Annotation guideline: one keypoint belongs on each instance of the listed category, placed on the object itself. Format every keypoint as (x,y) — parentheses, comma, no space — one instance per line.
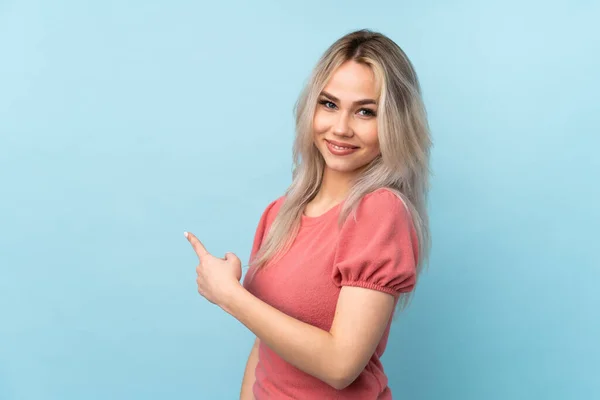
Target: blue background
(122,125)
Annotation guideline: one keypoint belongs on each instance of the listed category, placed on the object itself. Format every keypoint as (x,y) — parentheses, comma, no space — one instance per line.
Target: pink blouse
(377,251)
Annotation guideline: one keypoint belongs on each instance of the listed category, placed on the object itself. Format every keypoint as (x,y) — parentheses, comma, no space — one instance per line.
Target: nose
(342,125)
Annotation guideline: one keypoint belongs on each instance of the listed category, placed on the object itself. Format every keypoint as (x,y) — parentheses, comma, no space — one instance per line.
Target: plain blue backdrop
(123,124)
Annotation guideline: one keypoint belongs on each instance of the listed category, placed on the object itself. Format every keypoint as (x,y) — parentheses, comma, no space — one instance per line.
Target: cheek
(370,138)
(320,123)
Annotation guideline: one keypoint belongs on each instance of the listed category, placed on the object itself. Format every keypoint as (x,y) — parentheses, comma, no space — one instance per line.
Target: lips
(340,151)
(342,144)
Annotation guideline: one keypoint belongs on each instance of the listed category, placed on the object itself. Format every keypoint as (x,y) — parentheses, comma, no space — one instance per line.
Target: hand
(216,276)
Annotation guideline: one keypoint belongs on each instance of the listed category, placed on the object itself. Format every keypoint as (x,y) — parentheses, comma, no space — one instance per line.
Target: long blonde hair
(404,138)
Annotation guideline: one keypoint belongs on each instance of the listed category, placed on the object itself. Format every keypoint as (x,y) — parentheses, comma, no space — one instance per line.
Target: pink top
(378,251)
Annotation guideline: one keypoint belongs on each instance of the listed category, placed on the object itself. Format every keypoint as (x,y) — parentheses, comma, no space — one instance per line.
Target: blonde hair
(403,132)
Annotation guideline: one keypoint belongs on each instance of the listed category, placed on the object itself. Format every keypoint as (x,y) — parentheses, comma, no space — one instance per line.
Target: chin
(343,168)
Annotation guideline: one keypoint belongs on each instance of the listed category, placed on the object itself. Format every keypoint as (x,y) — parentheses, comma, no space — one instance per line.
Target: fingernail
(185,234)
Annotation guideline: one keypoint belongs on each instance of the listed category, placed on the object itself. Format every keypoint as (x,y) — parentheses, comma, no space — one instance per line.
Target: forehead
(352,81)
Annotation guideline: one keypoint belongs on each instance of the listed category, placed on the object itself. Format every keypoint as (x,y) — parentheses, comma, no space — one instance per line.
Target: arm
(249,378)
(336,357)
(375,250)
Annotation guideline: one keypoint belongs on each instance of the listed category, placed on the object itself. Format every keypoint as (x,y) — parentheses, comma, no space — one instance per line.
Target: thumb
(230,256)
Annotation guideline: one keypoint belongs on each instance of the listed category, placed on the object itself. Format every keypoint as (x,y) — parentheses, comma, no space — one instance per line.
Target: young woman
(342,249)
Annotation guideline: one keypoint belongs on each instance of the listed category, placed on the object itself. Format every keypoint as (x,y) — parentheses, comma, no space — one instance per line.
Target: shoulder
(383,196)
(271,210)
(381,204)
(377,247)
(264,223)
(273,207)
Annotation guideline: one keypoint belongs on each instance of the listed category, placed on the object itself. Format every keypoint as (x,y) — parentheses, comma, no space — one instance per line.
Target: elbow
(344,368)
(342,379)
(340,384)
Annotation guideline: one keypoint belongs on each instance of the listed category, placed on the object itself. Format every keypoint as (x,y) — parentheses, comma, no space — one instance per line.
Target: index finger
(198,247)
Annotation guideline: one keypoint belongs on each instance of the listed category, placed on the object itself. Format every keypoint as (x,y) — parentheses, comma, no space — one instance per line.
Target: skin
(339,355)
(246,392)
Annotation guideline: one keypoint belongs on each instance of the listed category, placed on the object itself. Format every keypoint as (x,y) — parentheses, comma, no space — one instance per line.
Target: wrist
(230,297)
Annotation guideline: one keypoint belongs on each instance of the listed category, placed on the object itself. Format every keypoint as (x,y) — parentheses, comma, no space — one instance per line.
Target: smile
(339,150)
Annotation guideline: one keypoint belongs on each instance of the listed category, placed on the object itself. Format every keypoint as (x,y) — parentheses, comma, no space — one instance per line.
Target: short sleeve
(377,249)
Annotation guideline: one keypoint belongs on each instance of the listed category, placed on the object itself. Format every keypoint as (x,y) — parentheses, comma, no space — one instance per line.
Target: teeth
(341,148)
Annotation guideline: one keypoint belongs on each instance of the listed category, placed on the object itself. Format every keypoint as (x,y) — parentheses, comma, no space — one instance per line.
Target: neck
(334,187)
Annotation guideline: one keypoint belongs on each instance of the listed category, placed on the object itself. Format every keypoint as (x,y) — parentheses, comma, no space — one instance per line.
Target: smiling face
(345,120)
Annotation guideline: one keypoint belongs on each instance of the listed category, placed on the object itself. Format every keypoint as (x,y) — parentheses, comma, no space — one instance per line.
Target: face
(345,121)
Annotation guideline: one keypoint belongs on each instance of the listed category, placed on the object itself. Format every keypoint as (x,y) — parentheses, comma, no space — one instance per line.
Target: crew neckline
(306,220)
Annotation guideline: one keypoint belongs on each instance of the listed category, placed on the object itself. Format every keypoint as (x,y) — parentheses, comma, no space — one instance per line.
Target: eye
(327,104)
(368,112)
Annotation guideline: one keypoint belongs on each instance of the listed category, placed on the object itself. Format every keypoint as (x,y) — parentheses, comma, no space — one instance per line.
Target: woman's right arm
(249,378)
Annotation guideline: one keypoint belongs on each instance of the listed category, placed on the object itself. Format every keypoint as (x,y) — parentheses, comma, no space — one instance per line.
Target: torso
(300,285)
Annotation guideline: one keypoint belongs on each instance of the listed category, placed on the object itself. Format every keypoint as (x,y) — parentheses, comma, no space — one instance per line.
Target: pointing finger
(198,247)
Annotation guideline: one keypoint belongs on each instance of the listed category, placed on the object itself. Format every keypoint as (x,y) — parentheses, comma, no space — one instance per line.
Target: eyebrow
(358,102)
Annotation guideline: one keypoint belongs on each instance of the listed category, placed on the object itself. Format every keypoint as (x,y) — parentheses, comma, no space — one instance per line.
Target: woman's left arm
(336,357)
